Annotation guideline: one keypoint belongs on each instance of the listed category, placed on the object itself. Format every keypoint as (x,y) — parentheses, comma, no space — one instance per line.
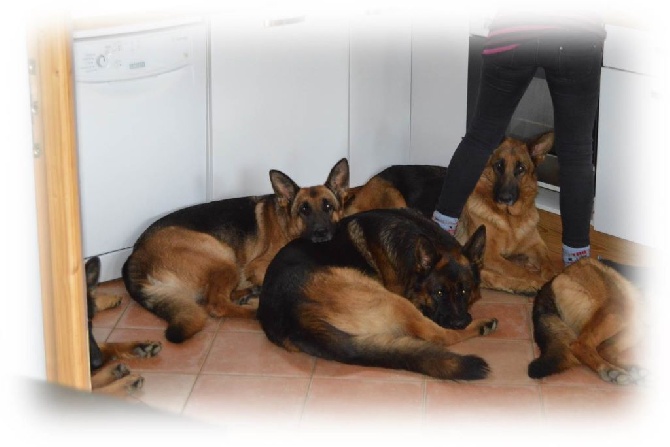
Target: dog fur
(107,376)
(589,314)
(379,293)
(517,259)
(399,186)
(503,200)
(217,253)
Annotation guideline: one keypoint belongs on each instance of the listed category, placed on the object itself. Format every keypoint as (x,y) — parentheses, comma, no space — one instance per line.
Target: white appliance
(141,108)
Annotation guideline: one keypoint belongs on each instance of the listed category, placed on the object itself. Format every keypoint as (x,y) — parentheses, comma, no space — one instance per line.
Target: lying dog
(516,259)
(108,377)
(379,293)
(217,252)
(503,200)
(399,186)
(588,314)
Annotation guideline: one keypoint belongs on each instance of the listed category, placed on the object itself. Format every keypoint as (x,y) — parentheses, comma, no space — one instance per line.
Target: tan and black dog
(205,258)
(399,186)
(390,289)
(516,259)
(503,200)
(589,314)
(108,377)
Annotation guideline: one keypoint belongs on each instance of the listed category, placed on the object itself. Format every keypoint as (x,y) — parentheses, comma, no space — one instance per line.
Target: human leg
(574,83)
(503,82)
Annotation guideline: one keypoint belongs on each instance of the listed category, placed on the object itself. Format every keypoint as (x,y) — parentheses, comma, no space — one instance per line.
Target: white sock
(571,254)
(447,223)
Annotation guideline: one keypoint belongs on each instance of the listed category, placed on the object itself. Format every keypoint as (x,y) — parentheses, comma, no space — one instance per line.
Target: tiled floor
(230,375)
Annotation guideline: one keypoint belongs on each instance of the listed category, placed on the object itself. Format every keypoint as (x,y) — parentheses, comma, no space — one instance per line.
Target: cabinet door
(279,100)
(629,172)
(439,87)
(380,74)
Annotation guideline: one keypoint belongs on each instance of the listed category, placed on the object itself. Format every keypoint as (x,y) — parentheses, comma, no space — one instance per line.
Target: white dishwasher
(141,113)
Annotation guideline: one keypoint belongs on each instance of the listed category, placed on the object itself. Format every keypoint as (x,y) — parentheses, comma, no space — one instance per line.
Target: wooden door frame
(57,198)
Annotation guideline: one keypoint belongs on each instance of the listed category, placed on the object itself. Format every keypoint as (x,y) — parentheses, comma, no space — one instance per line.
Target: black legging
(572,67)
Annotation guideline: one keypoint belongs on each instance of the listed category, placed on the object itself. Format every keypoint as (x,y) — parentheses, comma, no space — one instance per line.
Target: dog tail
(398,352)
(423,357)
(167,297)
(552,336)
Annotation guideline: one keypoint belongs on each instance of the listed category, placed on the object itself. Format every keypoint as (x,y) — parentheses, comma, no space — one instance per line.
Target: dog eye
(439,293)
(519,169)
(327,206)
(499,166)
(305,209)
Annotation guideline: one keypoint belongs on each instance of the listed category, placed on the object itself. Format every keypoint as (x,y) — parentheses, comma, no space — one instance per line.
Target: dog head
(448,279)
(92,271)
(313,212)
(511,171)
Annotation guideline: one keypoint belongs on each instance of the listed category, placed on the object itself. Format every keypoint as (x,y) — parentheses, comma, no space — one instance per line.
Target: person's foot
(447,223)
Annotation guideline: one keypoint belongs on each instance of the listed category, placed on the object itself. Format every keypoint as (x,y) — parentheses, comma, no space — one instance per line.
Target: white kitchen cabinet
(631,152)
(279,100)
(628,201)
(380,93)
(439,87)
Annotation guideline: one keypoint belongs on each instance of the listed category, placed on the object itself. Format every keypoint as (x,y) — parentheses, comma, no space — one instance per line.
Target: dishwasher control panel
(119,58)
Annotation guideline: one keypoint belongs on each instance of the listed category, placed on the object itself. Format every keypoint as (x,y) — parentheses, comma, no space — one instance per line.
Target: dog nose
(320,235)
(506,198)
(461,322)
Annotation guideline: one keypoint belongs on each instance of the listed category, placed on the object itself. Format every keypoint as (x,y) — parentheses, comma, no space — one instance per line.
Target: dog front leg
(508,276)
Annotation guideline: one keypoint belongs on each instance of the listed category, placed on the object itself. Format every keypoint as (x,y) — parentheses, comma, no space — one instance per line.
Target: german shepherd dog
(399,186)
(588,314)
(108,377)
(216,253)
(384,291)
(516,259)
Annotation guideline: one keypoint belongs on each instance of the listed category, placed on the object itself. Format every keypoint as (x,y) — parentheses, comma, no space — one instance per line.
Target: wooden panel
(57,197)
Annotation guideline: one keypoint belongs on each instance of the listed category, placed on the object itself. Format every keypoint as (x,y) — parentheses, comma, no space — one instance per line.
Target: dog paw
(617,376)
(136,383)
(120,371)
(147,349)
(488,326)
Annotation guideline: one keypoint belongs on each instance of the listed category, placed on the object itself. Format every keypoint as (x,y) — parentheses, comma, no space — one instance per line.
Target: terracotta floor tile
(448,401)
(513,319)
(101,333)
(251,353)
(187,357)
(240,324)
(508,359)
(496,296)
(332,369)
(349,402)
(166,391)
(256,401)
(108,318)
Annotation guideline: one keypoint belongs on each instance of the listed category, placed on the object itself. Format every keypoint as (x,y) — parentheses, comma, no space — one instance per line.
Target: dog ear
(92,269)
(426,256)
(475,246)
(285,188)
(338,179)
(540,147)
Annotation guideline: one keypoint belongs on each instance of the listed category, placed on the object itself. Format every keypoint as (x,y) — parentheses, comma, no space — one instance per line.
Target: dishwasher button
(101,61)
